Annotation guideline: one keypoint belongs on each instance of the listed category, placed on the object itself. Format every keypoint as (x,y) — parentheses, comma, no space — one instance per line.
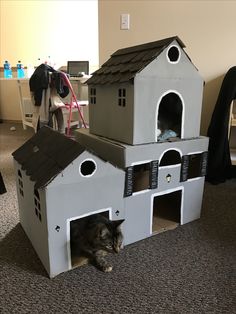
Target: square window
(122,97)
(141,178)
(194,167)
(93,96)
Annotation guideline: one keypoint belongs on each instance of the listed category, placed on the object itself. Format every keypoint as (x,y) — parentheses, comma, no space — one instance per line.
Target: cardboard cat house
(146,176)
(58,181)
(143,89)
(144,117)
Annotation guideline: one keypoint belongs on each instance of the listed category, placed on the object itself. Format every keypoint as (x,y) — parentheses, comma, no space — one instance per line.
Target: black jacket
(219,162)
(40,81)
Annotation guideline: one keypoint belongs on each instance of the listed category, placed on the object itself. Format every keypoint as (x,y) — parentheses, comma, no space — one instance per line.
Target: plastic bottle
(7,70)
(20,70)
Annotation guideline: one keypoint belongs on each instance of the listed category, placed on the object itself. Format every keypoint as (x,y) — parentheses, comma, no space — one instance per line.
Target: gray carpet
(191,269)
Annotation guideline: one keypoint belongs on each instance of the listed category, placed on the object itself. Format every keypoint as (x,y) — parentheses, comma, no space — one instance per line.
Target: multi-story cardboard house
(144,113)
(143,160)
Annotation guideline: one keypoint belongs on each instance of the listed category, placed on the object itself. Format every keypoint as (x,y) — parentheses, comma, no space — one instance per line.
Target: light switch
(124,21)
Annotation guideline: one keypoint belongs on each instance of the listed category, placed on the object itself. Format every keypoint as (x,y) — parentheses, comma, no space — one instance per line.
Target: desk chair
(30,114)
(26,105)
(72,106)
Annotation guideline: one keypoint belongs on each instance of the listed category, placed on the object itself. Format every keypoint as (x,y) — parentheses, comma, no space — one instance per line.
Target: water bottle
(7,70)
(20,70)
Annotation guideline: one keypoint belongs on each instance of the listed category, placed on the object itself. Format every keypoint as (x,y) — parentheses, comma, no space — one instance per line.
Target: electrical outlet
(124,21)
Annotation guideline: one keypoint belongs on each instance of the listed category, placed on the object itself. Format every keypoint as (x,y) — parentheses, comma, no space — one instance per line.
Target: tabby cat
(92,238)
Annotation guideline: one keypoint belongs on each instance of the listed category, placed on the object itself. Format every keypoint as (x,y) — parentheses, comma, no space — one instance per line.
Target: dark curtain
(2,185)
(219,162)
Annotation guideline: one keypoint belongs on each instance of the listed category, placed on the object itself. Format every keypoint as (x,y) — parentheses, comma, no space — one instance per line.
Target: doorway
(166,211)
(77,225)
(169,117)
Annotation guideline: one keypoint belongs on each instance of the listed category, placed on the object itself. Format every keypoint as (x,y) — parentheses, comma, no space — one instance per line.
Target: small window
(173,54)
(141,177)
(93,94)
(194,167)
(87,168)
(122,97)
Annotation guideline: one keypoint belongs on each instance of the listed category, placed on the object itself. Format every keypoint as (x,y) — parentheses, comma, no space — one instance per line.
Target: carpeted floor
(191,269)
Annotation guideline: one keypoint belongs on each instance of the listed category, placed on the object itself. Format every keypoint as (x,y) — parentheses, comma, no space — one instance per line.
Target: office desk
(9,97)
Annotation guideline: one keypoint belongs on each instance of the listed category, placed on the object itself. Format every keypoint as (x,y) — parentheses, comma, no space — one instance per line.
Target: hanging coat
(219,161)
(39,82)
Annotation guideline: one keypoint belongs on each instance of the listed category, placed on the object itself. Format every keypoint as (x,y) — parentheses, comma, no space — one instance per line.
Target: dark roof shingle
(125,63)
(46,154)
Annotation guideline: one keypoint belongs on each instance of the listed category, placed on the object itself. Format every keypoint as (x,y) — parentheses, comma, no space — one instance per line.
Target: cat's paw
(107,269)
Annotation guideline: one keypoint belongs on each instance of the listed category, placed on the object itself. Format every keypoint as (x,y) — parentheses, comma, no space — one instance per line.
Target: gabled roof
(125,63)
(46,154)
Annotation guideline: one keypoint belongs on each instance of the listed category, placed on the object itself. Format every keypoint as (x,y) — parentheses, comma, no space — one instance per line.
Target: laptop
(77,68)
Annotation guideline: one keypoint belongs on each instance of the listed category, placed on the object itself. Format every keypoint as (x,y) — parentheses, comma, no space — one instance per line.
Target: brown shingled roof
(46,154)
(125,63)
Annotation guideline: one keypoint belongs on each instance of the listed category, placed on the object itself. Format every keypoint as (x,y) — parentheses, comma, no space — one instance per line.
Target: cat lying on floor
(92,238)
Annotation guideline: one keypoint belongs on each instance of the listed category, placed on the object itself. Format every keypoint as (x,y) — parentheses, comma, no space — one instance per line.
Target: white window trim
(167,57)
(89,175)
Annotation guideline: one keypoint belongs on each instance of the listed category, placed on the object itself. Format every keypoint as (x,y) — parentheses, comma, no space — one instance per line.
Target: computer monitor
(75,68)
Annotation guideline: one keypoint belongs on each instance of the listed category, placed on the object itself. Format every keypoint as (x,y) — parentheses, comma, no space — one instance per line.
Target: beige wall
(32,29)
(206,27)
(63,30)
(35,30)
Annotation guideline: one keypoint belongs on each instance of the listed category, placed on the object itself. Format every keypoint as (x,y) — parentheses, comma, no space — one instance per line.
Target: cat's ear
(117,223)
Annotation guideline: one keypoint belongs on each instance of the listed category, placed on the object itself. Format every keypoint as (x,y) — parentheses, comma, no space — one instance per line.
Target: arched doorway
(169,116)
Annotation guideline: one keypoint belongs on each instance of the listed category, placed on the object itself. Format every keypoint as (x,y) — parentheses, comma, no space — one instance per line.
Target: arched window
(170,157)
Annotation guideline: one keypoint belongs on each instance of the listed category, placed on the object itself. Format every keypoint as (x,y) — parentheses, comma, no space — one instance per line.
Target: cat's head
(110,236)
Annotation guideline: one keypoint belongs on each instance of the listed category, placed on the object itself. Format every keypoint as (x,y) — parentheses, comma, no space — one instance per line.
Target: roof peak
(123,64)
(149,45)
